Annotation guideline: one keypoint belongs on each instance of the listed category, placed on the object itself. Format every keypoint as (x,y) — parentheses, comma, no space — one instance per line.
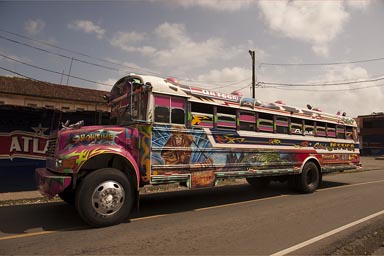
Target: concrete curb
(10,196)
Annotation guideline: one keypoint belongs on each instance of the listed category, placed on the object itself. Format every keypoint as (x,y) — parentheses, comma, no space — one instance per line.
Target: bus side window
(320,129)
(331,130)
(349,133)
(226,117)
(169,109)
(265,122)
(309,128)
(340,131)
(355,136)
(202,115)
(162,106)
(281,124)
(177,110)
(247,121)
(161,114)
(296,126)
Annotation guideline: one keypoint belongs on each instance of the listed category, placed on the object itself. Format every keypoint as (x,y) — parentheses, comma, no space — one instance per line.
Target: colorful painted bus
(165,132)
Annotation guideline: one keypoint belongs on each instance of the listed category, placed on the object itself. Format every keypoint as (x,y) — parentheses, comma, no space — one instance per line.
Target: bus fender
(121,160)
(311,159)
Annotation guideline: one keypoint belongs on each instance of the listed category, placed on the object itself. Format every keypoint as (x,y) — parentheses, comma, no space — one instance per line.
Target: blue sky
(205,43)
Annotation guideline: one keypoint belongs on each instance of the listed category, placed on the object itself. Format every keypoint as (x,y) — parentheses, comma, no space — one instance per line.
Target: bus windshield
(128,101)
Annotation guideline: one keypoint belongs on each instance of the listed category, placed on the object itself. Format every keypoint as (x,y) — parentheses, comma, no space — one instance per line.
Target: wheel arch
(312,159)
(111,160)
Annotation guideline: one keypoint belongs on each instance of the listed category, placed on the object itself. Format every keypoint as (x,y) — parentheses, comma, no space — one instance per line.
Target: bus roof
(170,86)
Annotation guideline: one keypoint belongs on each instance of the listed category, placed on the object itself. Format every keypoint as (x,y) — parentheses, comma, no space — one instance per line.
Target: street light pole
(252,53)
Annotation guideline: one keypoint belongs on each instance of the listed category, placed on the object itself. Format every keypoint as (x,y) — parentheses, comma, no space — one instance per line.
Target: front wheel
(104,197)
(309,179)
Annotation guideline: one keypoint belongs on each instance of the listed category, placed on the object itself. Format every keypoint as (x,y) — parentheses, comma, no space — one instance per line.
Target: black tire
(308,181)
(104,198)
(258,182)
(68,196)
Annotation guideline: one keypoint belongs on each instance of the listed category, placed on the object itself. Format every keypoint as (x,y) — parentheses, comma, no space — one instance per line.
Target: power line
(229,84)
(52,71)
(58,54)
(313,90)
(16,73)
(71,51)
(325,84)
(320,64)
(91,57)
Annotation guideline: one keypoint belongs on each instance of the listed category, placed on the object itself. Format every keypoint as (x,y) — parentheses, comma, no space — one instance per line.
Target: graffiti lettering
(335,146)
(220,95)
(94,136)
(329,157)
(227,139)
(274,142)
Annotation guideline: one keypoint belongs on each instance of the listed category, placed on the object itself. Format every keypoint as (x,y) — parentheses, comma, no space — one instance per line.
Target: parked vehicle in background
(166,132)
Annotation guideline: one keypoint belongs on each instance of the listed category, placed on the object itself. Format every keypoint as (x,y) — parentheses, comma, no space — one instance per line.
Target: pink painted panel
(247,118)
(178,103)
(162,101)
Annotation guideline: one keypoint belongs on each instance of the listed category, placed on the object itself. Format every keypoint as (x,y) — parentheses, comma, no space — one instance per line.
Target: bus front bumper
(50,184)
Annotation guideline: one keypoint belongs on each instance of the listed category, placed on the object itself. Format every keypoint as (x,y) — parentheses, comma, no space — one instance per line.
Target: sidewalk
(368,163)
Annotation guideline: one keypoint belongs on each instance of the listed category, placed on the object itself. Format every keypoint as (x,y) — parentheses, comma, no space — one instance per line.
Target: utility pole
(252,53)
(70,68)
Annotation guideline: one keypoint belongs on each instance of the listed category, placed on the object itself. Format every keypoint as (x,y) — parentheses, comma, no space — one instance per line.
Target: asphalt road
(228,220)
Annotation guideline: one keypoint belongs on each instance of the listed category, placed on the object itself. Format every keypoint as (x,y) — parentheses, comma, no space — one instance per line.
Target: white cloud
(88,27)
(34,27)
(315,22)
(348,72)
(358,4)
(110,81)
(227,74)
(216,5)
(182,50)
(184,53)
(328,98)
(128,41)
(227,79)
(178,51)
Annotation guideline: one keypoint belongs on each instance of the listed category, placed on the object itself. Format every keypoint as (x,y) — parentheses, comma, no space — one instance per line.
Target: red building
(29,111)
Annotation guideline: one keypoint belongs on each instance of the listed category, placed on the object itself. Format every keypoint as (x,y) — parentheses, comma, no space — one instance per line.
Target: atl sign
(23,144)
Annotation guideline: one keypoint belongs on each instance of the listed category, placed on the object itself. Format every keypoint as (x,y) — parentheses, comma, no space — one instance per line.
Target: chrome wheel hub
(108,197)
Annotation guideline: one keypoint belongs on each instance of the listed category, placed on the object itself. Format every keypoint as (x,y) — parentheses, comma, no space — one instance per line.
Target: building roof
(28,87)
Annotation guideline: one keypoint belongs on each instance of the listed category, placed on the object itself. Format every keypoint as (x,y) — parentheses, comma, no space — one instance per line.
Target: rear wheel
(104,197)
(258,182)
(309,179)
